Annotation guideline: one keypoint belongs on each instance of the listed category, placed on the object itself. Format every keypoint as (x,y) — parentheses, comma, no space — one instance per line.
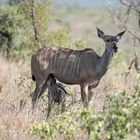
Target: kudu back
(82,67)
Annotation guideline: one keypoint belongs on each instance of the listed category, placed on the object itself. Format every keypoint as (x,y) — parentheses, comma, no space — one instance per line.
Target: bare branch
(131,3)
(137,36)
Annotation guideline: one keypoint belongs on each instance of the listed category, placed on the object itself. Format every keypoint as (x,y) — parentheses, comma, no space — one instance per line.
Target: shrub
(59,37)
(63,126)
(80,44)
(121,120)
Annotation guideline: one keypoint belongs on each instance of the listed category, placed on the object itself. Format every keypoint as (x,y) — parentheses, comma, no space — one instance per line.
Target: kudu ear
(100,33)
(120,35)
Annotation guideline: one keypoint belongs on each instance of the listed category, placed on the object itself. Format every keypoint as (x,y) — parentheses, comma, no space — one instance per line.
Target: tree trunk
(35,28)
(9,48)
(8,37)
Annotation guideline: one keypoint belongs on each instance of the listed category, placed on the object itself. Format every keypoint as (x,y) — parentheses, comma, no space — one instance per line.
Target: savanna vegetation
(114,112)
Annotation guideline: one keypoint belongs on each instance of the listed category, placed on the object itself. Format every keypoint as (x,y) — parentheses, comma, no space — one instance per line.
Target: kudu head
(110,41)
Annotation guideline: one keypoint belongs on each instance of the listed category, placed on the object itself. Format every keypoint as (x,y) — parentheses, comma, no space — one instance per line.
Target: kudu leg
(50,101)
(91,87)
(63,106)
(90,94)
(84,94)
(40,88)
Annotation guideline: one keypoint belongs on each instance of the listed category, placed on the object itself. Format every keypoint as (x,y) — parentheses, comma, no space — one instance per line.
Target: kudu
(69,66)
(56,94)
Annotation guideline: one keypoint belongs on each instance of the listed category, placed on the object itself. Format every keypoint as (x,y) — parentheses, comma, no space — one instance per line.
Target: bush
(121,120)
(59,38)
(80,44)
(62,126)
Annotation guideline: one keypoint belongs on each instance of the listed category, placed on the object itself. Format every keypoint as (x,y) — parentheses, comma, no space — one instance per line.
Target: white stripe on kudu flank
(56,59)
(63,61)
(75,63)
(52,59)
(78,65)
(67,61)
(54,50)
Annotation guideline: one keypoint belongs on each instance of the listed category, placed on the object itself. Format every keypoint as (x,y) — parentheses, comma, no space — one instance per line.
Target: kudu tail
(32,67)
(33,77)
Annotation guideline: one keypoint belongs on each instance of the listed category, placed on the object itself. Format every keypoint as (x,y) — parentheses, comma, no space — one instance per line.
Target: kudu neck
(104,62)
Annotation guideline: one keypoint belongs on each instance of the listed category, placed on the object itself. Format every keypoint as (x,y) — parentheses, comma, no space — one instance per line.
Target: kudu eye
(108,40)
